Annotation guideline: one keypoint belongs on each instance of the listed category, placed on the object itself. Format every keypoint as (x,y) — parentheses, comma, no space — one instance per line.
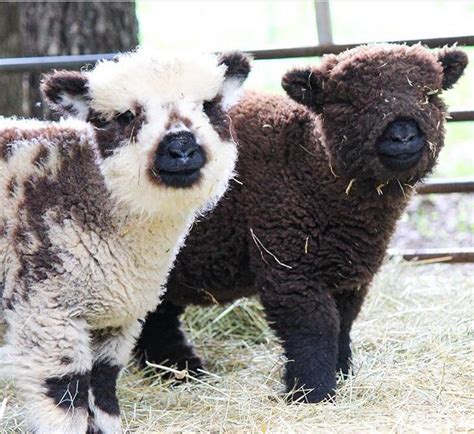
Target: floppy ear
(305,86)
(67,93)
(238,65)
(238,69)
(453,61)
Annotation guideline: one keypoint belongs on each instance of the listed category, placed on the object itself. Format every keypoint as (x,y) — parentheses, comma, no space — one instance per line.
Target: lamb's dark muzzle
(401,144)
(179,159)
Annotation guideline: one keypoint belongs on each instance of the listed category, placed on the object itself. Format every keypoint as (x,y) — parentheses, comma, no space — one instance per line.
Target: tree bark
(11,45)
(61,28)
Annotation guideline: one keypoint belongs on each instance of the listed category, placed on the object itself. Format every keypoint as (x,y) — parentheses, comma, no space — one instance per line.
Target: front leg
(163,342)
(49,358)
(305,318)
(111,351)
(349,303)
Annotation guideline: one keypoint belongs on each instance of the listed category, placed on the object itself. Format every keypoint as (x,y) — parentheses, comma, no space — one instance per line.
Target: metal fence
(451,255)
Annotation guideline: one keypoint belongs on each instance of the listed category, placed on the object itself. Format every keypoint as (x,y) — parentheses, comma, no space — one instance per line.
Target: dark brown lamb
(309,226)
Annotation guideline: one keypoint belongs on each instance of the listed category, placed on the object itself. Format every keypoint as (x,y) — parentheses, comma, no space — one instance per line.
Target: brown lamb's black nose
(400,146)
(403,131)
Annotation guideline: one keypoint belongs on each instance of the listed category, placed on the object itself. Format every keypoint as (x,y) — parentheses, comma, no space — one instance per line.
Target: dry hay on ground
(414,365)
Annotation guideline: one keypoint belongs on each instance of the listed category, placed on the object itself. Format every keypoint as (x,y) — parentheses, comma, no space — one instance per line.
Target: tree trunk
(61,28)
(11,45)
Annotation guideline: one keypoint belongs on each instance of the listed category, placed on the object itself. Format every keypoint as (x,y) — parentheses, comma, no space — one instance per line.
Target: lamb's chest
(132,271)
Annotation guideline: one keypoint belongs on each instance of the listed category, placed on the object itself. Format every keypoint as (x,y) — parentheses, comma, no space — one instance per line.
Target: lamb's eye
(209,103)
(208,106)
(125,118)
(99,122)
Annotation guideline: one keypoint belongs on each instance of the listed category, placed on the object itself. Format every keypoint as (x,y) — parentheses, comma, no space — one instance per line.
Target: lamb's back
(49,179)
(268,124)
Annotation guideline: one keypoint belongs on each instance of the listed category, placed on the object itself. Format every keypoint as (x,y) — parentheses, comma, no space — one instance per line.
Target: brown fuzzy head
(380,106)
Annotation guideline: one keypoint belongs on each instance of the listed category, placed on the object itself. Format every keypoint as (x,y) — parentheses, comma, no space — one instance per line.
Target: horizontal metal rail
(451,255)
(319,50)
(28,64)
(459,116)
(443,186)
(38,64)
(428,256)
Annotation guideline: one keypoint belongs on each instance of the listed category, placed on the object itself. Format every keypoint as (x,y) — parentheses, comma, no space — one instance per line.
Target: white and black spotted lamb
(94,211)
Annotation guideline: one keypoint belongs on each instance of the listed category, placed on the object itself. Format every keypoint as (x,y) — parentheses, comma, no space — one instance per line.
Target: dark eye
(125,118)
(99,122)
(211,105)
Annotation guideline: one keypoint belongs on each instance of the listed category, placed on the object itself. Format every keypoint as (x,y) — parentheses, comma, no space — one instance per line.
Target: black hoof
(310,396)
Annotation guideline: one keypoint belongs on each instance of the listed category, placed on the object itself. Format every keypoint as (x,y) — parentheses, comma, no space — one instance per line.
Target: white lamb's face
(161,125)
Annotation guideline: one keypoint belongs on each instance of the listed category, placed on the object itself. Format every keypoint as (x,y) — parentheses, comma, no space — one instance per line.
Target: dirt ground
(443,220)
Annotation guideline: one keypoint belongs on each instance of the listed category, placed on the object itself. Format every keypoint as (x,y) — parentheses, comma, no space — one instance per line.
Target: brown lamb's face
(380,106)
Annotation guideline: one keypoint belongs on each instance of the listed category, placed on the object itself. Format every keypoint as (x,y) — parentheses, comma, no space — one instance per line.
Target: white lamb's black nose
(183,149)
(178,159)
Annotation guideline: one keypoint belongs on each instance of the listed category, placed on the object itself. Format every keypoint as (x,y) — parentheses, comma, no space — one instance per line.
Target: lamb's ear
(454,61)
(305,86)
(67,93)
(238,69)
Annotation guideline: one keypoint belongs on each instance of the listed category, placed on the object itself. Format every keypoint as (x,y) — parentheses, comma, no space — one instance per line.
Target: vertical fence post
(323,22)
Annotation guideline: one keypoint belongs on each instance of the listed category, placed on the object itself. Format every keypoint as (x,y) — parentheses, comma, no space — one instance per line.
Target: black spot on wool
(69,391)
(104,385)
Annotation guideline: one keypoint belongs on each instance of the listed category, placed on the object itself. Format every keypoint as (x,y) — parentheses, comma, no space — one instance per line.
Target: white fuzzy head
(163,135)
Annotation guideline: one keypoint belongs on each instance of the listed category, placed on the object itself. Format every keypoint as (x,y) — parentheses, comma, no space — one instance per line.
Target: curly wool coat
(308,226)
(93,212)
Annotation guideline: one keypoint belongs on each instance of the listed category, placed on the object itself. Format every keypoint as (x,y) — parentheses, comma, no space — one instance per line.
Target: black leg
(349,304)
(104,386)
(306,320)
(104,409)
(111,351)
(163,342)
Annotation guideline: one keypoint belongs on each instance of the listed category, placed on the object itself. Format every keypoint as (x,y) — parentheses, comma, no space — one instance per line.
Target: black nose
(183,148)
(402,131)
(178,159)
(401,144)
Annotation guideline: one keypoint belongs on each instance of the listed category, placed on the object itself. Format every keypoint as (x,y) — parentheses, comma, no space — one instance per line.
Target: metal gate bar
(38,64)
